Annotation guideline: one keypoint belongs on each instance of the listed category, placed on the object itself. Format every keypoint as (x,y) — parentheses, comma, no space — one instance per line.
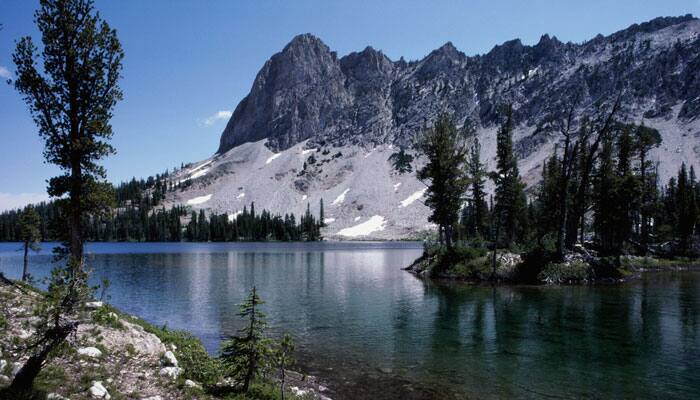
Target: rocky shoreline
(114,356)
(577,268)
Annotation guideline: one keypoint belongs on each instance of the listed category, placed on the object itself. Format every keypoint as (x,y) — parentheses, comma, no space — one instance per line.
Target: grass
(190,352)
(657,263)
(537,266)
(191,355)
(107,316)
(572,272)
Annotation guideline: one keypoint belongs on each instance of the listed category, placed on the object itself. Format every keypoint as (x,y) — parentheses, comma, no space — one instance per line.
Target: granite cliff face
(317,127)
(307,92)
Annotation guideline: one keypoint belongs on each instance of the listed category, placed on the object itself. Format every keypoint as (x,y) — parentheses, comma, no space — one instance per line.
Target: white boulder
(169,359)
(298,392)
(16,366)
(171,372)
(93,352)
(98,391)
(4,380)
(191,384)
(94,304)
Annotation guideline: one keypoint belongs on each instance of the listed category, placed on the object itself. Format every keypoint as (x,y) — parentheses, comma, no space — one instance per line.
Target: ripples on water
(376,331)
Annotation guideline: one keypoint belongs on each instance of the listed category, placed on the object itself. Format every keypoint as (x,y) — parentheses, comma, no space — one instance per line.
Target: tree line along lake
(371,330)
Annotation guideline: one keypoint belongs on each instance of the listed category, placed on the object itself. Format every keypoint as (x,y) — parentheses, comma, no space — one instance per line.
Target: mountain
(315,126)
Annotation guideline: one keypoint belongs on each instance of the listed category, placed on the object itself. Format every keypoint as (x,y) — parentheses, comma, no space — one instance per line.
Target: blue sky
(188,63)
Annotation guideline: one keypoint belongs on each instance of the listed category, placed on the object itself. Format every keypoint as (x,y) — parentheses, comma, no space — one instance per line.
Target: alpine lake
(371,330)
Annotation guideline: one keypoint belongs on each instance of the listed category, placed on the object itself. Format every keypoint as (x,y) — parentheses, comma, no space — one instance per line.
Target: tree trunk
(282,381)
(251,335)
(644,234)
(26,261)
(24,380)
(495,247)
(76,239)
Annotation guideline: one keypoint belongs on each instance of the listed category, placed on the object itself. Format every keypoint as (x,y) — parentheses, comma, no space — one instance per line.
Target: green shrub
(50,378)
(462,254)
(190,353)
(258,391)
(107,316)
(567,272)
(534,262)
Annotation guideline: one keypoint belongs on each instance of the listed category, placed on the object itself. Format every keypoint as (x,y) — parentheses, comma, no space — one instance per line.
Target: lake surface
(372,330)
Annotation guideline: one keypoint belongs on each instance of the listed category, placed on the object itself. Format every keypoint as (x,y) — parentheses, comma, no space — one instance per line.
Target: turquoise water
(371,330)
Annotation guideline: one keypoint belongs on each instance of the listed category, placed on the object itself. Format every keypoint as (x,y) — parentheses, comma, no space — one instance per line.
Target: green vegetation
(597,207)
(444,147)
(29,234)
(401,161)
(247,356)
(71,98)
(138,219)
(248,359)
(576,271)
(282,358)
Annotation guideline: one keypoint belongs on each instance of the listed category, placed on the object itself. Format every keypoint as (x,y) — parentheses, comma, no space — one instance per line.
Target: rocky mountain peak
(306,92)
(366,64)
(304,41)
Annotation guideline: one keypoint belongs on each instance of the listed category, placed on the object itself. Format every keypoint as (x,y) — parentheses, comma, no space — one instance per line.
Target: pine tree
(247,354)
(686,210)
(444,174)
(510,200)
(29,234)
(627,192)
(321,217)
(617,190)
(604,214)
(477,210)
(283,359)
(72,104)
(646,140)
(71,99)
(548,200)
(593,131)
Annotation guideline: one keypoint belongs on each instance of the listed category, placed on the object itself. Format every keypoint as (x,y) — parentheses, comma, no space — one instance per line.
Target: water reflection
(378,332)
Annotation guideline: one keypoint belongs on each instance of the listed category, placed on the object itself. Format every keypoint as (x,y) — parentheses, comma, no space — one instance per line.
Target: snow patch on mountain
(232,217)
(341,198)
(199,173)
(272,157)
(412,198)
(375,223)
(199,200)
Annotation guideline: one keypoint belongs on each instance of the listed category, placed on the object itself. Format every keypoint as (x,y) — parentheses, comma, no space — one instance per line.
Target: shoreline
(511,269)
(123,354)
